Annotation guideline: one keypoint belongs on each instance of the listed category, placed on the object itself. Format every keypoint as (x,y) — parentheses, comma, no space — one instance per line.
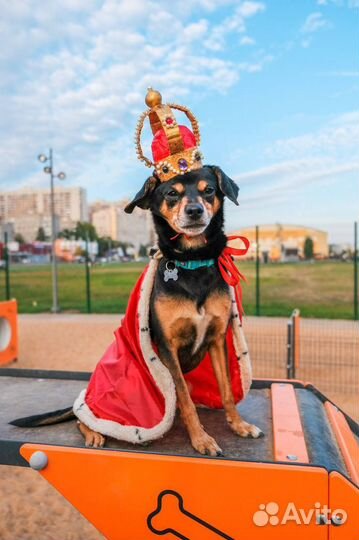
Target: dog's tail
(46,419)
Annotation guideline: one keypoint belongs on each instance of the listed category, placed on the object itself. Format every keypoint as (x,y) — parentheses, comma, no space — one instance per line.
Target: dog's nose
(194,210)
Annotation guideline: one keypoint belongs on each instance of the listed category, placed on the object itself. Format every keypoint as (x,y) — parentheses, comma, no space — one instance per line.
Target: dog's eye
(172,194)
(209,190)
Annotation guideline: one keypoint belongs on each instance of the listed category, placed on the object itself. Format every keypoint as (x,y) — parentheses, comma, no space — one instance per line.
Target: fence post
(289,349)
(7,267)
(88,282)
(293,344)
(356,317)
(258,308)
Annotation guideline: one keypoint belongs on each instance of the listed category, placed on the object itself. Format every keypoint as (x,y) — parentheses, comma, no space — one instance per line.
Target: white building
(29,209)
(111,220)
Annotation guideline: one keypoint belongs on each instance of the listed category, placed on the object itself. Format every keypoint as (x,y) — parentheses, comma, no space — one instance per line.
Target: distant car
(2,264)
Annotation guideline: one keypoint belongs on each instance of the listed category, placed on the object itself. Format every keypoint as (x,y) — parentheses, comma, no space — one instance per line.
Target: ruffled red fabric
(160,146)
(123,390)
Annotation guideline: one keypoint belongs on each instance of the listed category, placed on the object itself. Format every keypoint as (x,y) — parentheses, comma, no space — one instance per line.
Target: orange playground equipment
(299,481)
(9,345)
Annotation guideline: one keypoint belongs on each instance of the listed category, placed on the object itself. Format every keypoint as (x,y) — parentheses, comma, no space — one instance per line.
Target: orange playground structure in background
(9,343)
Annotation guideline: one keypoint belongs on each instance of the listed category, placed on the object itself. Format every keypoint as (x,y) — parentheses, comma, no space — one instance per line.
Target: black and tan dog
(189,315)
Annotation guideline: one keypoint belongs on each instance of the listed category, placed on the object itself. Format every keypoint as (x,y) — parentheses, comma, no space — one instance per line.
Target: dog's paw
(92,438)
(243,429)
(206,445)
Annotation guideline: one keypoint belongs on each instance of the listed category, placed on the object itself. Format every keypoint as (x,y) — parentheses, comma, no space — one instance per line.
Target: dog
(189,316)
(189,310)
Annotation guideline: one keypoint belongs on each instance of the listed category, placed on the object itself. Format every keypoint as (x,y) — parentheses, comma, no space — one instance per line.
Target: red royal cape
(131,395)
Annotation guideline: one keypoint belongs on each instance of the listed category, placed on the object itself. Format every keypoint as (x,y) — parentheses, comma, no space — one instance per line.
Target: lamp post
(49,170)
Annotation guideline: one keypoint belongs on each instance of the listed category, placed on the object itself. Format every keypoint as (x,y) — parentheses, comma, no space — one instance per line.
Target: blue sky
(274,84)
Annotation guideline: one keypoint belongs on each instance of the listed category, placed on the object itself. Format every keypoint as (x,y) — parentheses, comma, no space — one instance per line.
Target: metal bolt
(292,457)
(38,461)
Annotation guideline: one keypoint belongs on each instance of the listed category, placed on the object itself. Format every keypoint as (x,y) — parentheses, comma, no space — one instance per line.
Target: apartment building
(111,220)
(29,209)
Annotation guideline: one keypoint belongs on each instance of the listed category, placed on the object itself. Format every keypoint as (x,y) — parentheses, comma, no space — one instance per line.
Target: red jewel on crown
(170,121)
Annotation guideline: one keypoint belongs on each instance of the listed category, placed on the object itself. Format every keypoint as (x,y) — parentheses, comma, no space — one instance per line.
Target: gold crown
(175,148)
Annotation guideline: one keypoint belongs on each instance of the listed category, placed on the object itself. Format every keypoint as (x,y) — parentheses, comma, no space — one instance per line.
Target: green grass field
(320,289)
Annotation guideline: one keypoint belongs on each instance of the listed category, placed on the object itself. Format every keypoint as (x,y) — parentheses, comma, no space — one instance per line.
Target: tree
(142,252)
(66,233)
(104,245)
(19,238)
(85,230)
(308,248)
(41,236)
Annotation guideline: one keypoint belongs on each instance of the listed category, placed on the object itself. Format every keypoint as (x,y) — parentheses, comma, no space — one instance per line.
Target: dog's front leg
(218,352)
(201,441)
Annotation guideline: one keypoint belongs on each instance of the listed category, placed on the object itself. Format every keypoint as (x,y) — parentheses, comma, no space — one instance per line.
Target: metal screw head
(292,457)
(38,461)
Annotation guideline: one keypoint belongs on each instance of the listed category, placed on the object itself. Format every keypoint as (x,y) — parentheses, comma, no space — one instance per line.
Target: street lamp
(49,170)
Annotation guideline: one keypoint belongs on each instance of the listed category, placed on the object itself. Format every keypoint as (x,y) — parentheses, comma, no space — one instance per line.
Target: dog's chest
(202,321)
(184,324)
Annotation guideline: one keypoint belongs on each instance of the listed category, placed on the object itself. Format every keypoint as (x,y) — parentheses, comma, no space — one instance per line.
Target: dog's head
(187,202)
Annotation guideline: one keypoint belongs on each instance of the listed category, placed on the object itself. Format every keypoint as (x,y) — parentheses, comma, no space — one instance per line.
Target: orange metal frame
(288,436)
(134,496)
(346,441)
(142,495)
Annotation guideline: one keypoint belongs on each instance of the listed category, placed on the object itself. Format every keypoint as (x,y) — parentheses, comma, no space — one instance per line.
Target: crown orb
(153,98)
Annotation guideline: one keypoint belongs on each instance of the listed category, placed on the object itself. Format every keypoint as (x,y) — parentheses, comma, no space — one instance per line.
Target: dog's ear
(228,187)
(143,197)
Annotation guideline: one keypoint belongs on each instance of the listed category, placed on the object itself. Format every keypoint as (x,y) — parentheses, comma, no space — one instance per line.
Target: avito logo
(270,514)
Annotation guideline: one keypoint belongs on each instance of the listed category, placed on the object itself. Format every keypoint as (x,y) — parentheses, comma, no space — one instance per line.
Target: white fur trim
(159,372)
(240,346)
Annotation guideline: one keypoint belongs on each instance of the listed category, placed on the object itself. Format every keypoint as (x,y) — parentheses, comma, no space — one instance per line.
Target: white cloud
(314,22)
(326,157)
(255,66)
(236,23)
(305,43)
(80,84)
(246,40)
(292,176)
(340,137)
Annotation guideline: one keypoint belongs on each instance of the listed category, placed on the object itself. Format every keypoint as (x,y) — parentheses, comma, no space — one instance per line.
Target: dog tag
(170,273)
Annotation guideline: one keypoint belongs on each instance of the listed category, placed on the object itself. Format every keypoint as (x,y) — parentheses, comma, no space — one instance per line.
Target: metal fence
(327,289)
(319,351)
(323,352)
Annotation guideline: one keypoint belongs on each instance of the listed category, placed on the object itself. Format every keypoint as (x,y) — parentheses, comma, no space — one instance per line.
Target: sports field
(318,289)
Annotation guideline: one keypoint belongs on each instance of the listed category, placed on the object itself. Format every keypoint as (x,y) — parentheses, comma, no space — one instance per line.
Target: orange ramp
(278,487)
